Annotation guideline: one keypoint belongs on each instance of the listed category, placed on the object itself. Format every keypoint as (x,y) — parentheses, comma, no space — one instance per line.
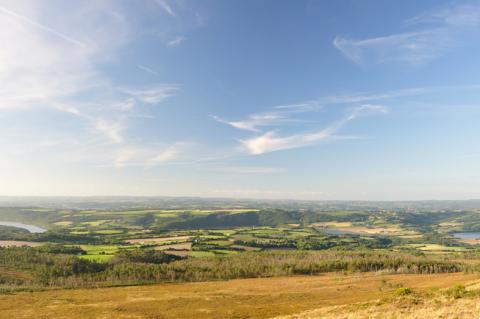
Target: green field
(232,230)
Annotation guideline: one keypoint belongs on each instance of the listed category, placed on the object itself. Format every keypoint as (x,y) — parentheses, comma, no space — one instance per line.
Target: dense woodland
(25,267)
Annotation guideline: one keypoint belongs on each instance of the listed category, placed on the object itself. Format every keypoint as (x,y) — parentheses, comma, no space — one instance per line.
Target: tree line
(33,267)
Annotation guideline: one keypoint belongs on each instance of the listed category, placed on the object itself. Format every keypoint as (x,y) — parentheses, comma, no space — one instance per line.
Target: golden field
(329,296)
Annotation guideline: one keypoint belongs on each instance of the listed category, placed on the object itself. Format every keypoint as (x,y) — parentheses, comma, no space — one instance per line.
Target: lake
(30,228)
(473,235)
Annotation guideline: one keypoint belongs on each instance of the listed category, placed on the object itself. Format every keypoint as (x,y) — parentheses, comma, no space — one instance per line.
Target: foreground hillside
(462,302)
(422,309)
(244,298)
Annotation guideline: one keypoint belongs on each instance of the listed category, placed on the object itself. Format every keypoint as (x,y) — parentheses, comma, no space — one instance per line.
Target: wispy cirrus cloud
(255,121)
(148,69)
(465,13)
(186,17)
(271,141)
(54,62)
(176,41)
(432,34)
(278,115)
(45,68)
(41,65)
(166,6)
(109,117)
(372,97)
(247,169)
(149,156)
(153,94)
(111,129)
(40,26)
(410,48)
(168,154)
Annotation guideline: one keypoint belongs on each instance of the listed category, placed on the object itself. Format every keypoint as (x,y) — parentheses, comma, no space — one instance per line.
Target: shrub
(404,291)
(457,291)
(61,249)
(149,256)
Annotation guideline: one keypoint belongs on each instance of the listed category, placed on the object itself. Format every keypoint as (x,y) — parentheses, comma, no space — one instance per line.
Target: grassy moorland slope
(459,301)
(244,298)
(427,309)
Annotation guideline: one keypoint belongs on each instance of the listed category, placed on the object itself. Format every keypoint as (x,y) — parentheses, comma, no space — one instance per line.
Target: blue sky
(367,100)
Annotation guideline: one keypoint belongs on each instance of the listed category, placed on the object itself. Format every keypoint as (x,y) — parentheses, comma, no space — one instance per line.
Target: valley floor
(329,295)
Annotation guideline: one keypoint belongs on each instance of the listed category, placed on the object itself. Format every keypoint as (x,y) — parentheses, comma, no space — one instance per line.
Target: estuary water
(470,235)
(30,228)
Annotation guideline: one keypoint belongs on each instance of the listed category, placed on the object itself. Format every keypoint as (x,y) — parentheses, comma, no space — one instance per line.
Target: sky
(314,100)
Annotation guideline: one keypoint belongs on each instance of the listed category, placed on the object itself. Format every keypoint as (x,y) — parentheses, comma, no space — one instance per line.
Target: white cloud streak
(247,169)
(168,154)
(254,121)
(437,33)
(411,48)
(149,156)
(166,7)
(44,66)
(112,130)
(362,98)
(186,16)
(38,70)
(176,42)
(40,26)
(281,114)
(152,95)
(148,70)
(270,141)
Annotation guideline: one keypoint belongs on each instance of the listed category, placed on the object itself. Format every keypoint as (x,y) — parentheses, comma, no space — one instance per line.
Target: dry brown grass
(157,240)
(16,243)
(370,230)
(247,298)
(470,241)
(374,230)
(12,273)
(179,253)
(63,223)
(410,236)
(426,309)
(332,224)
